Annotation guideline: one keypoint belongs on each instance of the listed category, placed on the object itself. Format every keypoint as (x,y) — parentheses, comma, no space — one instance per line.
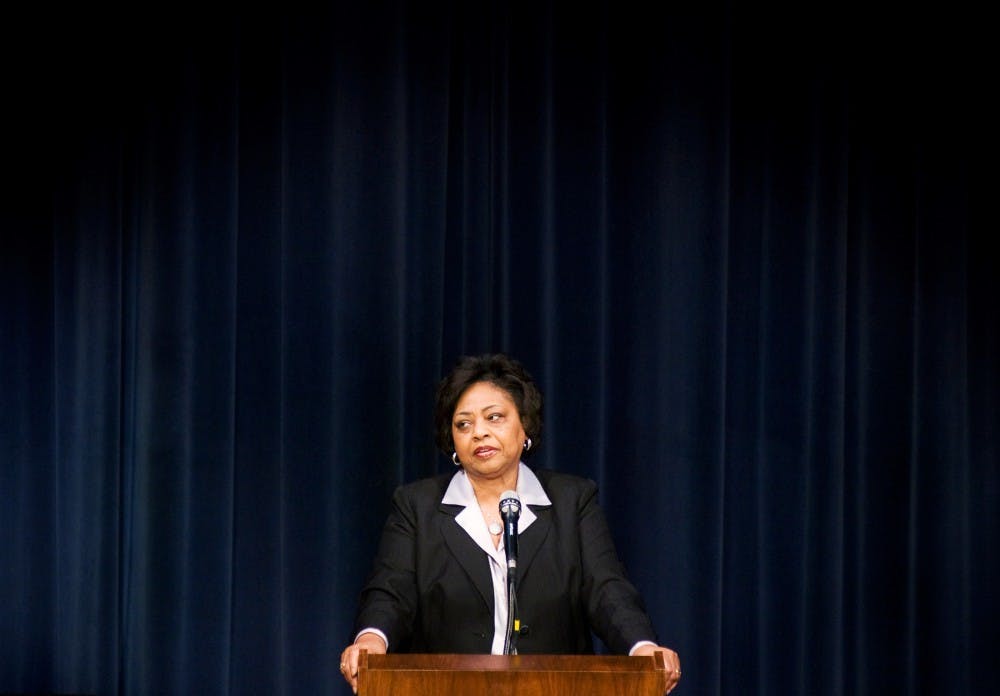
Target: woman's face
(487,431)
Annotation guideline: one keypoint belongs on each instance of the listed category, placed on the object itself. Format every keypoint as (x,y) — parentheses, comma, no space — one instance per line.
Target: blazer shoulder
(427,491)
(561,486)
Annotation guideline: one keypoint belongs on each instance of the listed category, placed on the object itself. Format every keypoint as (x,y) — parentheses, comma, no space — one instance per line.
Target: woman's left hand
(673,663)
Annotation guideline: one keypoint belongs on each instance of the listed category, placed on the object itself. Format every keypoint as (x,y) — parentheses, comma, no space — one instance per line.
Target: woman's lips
(485,451)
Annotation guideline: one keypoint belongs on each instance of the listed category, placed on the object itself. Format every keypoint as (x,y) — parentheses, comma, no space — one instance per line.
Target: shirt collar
(529,490)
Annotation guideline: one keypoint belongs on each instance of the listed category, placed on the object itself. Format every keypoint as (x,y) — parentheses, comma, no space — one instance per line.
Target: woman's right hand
(349,658)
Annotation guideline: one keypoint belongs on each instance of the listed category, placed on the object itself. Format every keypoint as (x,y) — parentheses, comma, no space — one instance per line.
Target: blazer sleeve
(389,599)
(614,607)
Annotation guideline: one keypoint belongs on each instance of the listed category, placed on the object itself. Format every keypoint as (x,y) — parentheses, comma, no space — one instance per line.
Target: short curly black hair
(501,371)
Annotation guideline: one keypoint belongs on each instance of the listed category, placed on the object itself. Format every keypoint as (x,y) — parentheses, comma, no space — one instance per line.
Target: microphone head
(510,503)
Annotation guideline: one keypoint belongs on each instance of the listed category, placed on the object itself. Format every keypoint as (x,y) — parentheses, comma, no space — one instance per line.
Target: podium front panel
(513,675)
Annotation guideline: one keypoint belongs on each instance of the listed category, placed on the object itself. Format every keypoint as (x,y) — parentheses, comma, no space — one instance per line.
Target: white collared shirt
(460,492)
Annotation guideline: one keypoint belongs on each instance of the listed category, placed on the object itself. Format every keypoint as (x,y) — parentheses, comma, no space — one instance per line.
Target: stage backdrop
(742,250)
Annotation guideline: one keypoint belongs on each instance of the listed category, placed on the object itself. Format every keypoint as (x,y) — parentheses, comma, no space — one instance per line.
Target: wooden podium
(510,675)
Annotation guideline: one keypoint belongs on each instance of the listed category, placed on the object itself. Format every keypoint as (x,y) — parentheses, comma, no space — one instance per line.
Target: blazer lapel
(468,554)
(532,538)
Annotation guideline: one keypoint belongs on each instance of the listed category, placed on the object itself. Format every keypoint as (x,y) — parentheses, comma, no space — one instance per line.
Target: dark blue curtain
(745,251)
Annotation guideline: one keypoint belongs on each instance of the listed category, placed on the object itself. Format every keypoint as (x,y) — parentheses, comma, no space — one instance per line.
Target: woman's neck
(489,489)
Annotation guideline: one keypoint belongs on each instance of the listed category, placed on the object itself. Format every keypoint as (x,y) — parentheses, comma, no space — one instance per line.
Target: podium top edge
(508,663)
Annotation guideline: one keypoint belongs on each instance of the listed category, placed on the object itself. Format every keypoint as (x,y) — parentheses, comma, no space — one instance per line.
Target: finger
(673,669)
(344,666)
(352,669)
(673,663)
(349,668)
(674,678)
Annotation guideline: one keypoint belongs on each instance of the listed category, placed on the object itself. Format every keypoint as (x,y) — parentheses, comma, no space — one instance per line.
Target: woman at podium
(439,581)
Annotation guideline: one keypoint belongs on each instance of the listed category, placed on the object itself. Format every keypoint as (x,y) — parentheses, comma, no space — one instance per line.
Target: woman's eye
(462,425)
(495,416)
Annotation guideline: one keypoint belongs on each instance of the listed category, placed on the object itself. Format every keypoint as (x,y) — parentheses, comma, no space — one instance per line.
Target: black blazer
(430,589)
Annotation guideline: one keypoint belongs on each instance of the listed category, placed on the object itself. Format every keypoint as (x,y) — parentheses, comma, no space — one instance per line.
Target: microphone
(510,511)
